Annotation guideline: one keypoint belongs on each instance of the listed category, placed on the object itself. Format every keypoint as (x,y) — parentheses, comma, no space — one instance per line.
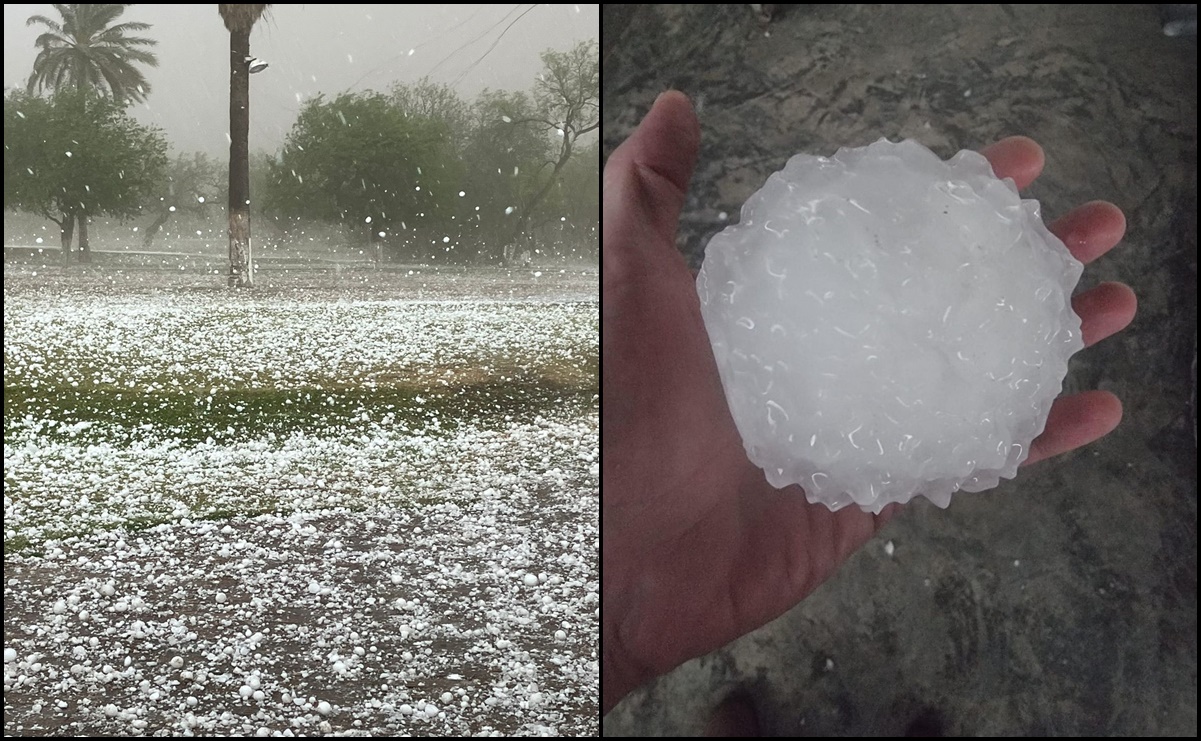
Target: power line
(477,38)
(438,38)
(494,43)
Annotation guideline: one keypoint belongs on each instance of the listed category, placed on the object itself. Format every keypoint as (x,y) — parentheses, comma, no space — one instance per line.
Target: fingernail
(662,95)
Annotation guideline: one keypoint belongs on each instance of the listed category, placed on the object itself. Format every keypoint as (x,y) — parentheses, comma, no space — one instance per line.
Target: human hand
(698,548)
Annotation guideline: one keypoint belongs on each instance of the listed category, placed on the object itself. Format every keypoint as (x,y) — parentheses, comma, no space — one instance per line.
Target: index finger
(1017,157)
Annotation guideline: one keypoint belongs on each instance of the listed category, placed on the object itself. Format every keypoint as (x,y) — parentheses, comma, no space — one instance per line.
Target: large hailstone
(887,324)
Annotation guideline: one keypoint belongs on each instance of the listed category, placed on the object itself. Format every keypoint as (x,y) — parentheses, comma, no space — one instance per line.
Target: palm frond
(86,50)
(240,17)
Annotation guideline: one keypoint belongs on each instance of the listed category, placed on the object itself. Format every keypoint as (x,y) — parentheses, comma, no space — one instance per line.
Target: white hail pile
(887,324)
(386,569)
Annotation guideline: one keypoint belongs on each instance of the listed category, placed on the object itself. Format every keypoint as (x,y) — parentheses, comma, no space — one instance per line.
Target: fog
(315,49)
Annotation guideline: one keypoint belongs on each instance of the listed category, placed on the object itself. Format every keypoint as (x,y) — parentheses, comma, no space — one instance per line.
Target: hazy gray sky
(319,48)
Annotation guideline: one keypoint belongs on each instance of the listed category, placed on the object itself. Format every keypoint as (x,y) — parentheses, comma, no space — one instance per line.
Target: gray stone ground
(1063,602)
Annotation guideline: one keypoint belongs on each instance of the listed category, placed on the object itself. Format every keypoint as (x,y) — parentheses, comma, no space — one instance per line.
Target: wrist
(619,675)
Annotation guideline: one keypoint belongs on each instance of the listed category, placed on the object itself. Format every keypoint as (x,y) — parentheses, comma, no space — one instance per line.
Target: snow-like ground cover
(330,506)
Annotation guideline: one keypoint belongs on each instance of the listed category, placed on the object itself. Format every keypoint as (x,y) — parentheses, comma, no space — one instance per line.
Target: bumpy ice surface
(887,324)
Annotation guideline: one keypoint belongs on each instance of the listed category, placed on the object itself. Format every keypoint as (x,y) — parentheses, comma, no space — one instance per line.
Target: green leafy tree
(572,207)
(507,163)
(361,161)
(239,20)
(77,155)
(87,51)
(435,101)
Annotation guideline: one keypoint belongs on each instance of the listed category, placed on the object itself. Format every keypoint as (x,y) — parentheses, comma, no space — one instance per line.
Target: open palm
(698,548)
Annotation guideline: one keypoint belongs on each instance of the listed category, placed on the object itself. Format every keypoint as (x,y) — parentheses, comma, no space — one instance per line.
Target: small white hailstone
(84,614)
(108,590)
(407,656)
(258,695)
(535,699)
(530,580)
(314,587)
(560,635)
(111,710)
(254,681)
(10,655)
(176,662)
(59,607)
(324,708)
(829,664)
(263,731)
(221,597)
(889,325)
(358,651)
(191,701)
(889,548)
(454,676)
(245,691)
(406,709)
(397,578)
(447,697)
(431,710)
(340,667)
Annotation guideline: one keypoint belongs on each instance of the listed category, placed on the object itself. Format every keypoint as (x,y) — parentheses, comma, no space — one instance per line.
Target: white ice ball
(887,324)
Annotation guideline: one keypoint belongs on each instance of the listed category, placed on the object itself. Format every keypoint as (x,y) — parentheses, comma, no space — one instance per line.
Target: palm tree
(85,52)
(239,20)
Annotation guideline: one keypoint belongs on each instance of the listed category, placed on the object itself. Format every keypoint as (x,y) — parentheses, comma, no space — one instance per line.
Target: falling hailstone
(887,324)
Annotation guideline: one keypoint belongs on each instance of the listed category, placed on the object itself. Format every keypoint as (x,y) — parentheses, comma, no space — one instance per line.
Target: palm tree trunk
(239,159)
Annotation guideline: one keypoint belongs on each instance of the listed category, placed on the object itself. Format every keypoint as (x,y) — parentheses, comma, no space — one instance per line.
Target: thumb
(647,176)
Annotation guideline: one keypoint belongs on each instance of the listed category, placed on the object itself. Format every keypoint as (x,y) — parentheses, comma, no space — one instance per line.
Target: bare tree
(568,97)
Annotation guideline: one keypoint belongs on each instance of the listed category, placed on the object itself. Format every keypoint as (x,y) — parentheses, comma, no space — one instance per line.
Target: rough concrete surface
(1063,602)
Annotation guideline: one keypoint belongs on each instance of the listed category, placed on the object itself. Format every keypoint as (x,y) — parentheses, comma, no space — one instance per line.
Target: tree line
(413,172)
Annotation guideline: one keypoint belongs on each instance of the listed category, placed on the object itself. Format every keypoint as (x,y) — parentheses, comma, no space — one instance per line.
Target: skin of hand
(698,549)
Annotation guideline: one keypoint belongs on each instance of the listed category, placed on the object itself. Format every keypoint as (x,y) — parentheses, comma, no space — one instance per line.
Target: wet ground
(1063,602)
